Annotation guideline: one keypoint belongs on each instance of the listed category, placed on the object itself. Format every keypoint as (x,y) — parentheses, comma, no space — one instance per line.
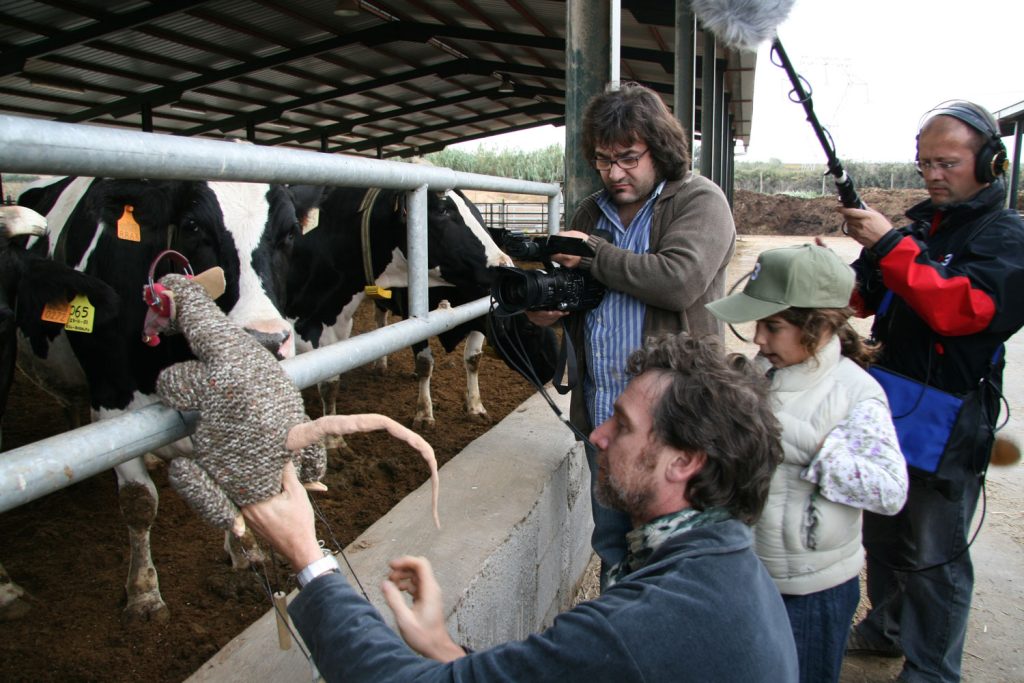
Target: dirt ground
(69,549)
(763,214)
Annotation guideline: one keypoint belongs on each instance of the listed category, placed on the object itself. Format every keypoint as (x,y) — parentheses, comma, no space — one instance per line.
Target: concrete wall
(513,544)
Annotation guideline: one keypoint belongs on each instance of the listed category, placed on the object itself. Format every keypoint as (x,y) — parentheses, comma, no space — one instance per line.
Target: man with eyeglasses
(946,291)
(661,237)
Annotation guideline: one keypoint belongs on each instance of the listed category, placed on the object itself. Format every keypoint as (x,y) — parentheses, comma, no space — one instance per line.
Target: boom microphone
(844,183)
(745,24)
(741,24)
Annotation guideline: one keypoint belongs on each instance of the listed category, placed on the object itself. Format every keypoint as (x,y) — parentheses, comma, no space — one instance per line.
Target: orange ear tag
(82,315)
(127,227)
(57,312)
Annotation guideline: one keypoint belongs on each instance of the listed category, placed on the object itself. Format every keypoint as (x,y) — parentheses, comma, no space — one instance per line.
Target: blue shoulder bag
(943,436)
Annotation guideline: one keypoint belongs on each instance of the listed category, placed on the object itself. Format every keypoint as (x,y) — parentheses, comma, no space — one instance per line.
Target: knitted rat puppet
(252,420)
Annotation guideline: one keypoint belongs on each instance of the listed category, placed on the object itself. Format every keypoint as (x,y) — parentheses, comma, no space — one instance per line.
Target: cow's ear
(212,281)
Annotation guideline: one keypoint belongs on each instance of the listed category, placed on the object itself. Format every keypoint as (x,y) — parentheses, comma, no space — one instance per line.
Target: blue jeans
(821,623)
(610,526)
(924,612)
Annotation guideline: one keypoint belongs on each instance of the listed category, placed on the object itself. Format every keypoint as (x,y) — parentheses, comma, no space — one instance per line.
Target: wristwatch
(327,563)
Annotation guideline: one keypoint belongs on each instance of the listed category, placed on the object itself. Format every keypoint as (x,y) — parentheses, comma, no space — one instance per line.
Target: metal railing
(528,217)
(50,148)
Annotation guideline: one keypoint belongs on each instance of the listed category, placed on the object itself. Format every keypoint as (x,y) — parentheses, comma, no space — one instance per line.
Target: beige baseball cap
(805,276)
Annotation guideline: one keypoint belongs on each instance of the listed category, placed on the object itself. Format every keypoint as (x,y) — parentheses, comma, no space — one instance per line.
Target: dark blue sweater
(702,609)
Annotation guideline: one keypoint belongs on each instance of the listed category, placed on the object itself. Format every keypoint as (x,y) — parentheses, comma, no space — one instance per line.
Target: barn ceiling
(397,78)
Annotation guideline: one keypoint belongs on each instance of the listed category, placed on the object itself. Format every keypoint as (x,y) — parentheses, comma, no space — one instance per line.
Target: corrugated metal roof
(404,76)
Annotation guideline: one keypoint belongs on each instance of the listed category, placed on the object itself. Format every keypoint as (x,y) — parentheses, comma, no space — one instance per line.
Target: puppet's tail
(307,433)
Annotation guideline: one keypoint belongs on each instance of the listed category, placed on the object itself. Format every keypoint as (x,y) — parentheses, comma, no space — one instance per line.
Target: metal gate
(50,148)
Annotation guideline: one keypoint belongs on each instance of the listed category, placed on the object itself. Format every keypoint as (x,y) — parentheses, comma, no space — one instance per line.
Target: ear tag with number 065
(82,315)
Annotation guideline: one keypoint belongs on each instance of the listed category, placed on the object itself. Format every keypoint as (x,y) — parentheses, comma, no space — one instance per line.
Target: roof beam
(438,146)
(170,94)
(447,69)
(346,126)
(377,35)
(13,61)
(535,109)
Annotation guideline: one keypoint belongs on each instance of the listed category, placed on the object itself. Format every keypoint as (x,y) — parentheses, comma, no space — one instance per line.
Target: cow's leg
(330,389)
(13,598)
(424,418)
(244,552)
(138,499)
(471,357)
(335,444)
(380,366)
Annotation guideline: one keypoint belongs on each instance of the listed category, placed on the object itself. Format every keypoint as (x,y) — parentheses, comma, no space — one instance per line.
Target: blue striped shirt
(614,328)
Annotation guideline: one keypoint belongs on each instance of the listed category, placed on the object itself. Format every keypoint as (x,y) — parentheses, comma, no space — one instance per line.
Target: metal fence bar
(527,217)
(416,227)
(45,466)
(554,213)
(46,147)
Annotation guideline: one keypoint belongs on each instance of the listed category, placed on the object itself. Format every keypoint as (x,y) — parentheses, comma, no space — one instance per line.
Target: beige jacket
(692,240)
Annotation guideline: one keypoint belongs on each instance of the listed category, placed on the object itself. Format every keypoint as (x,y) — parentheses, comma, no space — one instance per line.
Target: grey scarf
(643,541)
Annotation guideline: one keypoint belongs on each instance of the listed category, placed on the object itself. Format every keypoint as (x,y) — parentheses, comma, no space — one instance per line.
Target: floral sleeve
(860,463)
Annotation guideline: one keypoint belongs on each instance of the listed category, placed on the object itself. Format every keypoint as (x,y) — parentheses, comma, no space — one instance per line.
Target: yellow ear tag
(127,227)
(57,312)
(375,292)
(82,315)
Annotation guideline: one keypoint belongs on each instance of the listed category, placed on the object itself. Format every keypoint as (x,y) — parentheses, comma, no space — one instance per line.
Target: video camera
(556,289)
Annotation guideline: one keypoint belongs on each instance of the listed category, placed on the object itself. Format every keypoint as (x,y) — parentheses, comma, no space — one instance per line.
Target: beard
(632,496)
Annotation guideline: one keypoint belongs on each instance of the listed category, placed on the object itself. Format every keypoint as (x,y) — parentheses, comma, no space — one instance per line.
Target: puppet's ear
(212,281)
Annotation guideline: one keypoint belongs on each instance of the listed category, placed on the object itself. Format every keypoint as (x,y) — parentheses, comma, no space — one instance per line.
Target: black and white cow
(15,222)
(357,238)
(113,230)
(28,283)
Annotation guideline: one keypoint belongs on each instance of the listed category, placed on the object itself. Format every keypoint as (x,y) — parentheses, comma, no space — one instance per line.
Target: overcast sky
(874,67)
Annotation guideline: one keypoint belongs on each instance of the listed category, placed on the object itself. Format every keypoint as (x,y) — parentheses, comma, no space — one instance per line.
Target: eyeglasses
(926,165)
(625,163)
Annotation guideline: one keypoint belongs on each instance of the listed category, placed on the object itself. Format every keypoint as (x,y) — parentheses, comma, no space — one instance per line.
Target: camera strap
(566,366)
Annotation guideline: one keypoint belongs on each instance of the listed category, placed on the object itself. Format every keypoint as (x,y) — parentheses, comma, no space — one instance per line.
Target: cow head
(245,228)
(460,245)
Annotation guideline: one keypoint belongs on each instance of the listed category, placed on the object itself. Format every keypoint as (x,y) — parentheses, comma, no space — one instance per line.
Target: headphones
(991,160)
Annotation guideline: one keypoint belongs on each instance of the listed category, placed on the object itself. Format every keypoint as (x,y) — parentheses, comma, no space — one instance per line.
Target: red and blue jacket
(956,277)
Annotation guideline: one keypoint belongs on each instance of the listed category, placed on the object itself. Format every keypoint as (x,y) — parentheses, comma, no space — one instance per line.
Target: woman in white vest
(841,451)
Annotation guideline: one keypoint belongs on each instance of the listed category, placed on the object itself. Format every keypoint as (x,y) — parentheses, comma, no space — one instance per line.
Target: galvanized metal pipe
(683,79)
(48,147)
(586,74)
(554,212)
(708,99)
(34,146)
(416,229)
(615,43)
(45,466)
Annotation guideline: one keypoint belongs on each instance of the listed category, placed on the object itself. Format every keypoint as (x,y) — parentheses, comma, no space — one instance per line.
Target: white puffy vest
(809,543)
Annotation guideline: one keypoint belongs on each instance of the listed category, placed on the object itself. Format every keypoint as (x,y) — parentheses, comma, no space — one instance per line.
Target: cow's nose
(271,341)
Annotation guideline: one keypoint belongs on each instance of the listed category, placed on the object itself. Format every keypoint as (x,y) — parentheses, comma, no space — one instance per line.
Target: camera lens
(564,289)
